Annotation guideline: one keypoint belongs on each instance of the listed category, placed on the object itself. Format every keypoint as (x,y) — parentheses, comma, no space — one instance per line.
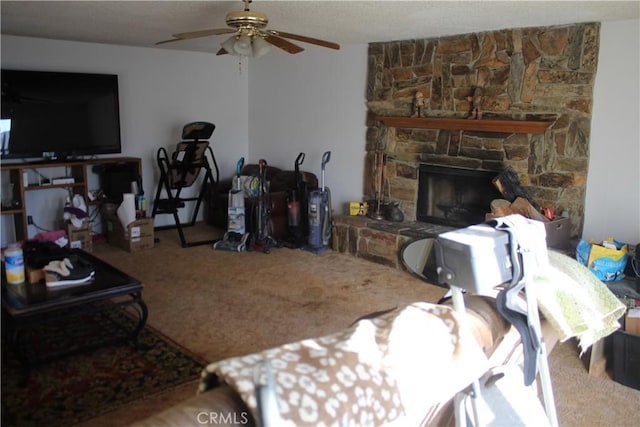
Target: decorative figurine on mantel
(418,104)
(477,100)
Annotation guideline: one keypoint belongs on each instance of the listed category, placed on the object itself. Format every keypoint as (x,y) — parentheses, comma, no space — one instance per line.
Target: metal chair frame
(181,171)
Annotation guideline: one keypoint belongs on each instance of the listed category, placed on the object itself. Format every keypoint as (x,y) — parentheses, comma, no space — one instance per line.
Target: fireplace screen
(454,196)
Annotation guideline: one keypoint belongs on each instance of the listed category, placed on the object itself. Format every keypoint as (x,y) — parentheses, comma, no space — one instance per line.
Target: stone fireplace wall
(541,73)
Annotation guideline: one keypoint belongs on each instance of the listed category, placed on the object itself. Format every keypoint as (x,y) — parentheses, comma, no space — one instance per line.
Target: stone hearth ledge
(379,241)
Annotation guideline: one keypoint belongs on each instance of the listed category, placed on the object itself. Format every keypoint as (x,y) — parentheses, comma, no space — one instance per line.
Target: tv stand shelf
(79,170)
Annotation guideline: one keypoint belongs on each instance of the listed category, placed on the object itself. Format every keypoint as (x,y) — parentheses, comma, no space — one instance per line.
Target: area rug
(75,388)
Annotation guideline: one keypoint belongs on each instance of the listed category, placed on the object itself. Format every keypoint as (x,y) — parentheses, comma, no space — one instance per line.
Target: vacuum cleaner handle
(297,176)
(325,159)
(239,166)
(262,167)
(299,161)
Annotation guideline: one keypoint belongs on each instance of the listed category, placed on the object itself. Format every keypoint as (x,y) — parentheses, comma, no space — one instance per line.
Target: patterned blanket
(385,370)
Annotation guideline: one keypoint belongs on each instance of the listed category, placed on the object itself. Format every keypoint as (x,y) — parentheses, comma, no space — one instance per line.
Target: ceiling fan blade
(305,39)
(167,41)
(204,33)
(283,44)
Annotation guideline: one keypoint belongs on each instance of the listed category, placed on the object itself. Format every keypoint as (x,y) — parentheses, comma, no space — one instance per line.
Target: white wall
(160,91)
(312,102)
(612,205)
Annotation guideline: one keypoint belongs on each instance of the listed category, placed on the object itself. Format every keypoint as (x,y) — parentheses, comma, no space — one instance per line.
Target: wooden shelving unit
(484,125)
(78,169)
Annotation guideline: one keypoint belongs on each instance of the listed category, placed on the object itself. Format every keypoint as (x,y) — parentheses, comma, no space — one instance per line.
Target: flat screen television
(57,116)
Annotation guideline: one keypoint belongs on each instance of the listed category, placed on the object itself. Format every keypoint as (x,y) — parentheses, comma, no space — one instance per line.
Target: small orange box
(34,275)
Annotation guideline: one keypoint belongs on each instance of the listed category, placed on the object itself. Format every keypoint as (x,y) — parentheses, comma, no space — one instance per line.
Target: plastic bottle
(14,264)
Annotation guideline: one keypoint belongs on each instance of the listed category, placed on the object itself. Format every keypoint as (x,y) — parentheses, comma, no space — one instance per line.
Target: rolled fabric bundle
(127,210)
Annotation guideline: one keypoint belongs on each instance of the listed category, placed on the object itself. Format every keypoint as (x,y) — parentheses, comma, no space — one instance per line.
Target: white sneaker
(64,273)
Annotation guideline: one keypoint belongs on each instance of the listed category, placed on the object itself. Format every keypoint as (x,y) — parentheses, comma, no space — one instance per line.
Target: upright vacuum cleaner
(320,214)
(297,209)
(261,236)
(235,239)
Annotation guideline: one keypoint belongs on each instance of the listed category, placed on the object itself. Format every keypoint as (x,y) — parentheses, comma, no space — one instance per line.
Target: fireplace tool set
(379,161)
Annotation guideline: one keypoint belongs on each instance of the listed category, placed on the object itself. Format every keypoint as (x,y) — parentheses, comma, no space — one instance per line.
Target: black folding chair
(181,171)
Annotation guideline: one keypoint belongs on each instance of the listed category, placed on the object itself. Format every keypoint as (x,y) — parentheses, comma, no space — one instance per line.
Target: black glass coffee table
(27,307)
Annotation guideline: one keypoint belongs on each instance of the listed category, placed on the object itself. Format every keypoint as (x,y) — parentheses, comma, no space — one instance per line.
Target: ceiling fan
(250,37)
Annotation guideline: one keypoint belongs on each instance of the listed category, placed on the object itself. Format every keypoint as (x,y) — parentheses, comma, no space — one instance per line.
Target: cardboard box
(632,321)
(80,237)
(135,237)
(558,233)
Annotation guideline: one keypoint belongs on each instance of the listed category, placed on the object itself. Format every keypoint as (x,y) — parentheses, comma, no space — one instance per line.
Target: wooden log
(524,208)
(501,207)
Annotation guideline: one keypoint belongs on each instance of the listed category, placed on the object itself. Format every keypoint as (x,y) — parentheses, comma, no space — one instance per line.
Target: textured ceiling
(142,23)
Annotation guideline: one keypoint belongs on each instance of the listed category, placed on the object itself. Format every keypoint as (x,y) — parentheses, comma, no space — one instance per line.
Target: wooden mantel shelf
(484,125)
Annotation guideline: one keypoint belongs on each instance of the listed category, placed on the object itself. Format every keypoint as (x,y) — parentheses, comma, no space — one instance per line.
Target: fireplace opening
(454,196)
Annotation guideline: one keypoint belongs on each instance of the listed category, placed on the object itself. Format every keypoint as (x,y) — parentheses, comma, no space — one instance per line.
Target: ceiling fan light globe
(242,46)
(260,47)
(229,44)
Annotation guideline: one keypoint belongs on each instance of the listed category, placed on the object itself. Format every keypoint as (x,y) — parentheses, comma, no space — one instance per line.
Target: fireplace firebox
(454,196)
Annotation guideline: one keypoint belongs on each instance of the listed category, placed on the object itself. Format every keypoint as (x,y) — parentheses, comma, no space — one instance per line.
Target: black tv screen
(55,115)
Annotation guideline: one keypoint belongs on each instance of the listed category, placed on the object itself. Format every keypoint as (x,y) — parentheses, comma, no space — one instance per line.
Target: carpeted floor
(221,304)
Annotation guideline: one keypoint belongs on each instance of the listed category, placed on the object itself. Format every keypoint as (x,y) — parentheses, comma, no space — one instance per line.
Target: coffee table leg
(19,339)
(143,313)
(25,361)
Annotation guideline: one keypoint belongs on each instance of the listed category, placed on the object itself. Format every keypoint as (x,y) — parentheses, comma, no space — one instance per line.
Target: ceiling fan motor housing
(247,18)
